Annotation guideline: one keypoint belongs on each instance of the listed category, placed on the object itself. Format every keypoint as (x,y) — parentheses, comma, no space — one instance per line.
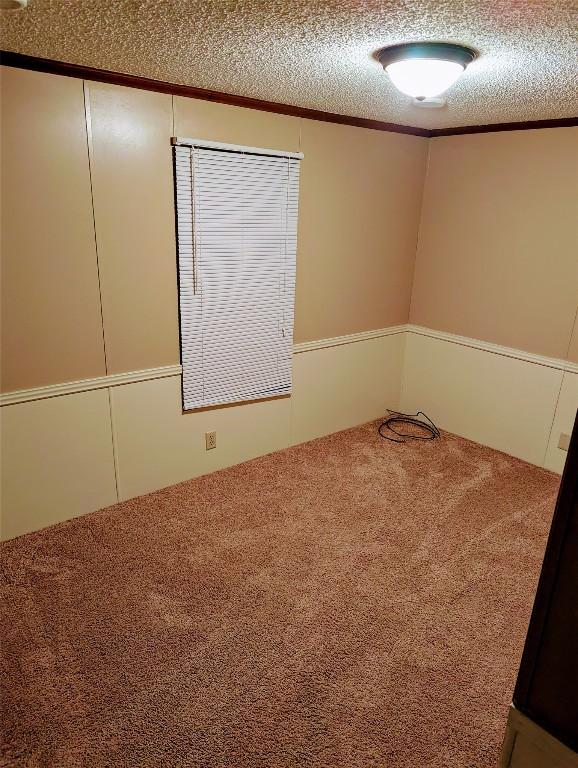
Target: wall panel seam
(419,223)
(553,420)
(88,122)
(402,380)
(568,368)
(114,445)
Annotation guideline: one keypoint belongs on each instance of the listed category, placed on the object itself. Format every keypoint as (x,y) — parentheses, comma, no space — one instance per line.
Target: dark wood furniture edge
(565,507)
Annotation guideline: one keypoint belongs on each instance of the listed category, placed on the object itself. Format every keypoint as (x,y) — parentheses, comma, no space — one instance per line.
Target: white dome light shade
(425,70)
(424,78)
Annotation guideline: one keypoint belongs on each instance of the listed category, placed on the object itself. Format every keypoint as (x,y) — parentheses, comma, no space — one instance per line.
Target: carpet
(344,603)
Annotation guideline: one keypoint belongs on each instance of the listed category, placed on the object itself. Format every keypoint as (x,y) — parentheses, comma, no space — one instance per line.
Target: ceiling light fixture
(424,70)
(13,5)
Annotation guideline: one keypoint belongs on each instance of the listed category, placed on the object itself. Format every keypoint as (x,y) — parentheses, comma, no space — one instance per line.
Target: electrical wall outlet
(210,440)
(564,442)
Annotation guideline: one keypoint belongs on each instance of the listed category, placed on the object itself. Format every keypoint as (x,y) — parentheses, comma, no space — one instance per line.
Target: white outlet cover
(433,102)
(564,442)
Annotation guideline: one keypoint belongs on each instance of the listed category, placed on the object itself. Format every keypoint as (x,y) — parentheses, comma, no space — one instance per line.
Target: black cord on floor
(396,418)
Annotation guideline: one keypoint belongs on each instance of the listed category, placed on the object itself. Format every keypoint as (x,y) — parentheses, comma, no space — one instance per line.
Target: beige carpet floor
(346,603)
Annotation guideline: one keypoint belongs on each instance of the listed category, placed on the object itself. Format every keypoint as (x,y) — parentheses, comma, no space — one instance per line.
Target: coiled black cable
(396,418)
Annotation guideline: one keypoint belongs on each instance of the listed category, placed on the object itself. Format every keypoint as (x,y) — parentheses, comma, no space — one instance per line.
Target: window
(237,241)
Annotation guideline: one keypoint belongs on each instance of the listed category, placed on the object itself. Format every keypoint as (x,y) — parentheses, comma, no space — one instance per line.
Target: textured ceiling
(319,54)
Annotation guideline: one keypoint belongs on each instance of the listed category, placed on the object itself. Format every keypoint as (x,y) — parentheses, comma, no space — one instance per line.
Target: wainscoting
(336,384)
(79,446)
(57,460)
(563,420)
(508,399)
(340,383)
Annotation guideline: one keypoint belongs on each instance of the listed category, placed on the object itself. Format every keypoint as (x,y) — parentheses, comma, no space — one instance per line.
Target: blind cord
(396,419)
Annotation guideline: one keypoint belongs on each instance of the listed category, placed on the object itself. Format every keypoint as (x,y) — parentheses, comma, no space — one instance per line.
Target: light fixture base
(13,5)
(460,54)
(433,102)
(425,70)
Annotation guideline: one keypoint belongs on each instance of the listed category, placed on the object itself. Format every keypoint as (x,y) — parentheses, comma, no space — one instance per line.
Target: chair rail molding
(132,377)
(495,349)
(85,385)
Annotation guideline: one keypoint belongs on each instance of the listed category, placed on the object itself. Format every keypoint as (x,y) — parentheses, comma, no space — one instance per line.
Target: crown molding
(528,125)
(22,61)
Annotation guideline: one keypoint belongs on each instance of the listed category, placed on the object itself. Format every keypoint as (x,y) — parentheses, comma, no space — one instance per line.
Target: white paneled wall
(68,453)
(57,460)
(341,386)
(563,421)
(333,388)
(487,395)
(58,457)
(159,445)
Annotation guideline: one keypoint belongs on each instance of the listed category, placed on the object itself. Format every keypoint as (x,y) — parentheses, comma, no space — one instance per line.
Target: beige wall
(360,200)
(497,261)
(51,324)
(132,182)
(565,414)
(333,388)
(341,386)
(498,244)
(109,155)
(359,205)
(235,125)
(494,399)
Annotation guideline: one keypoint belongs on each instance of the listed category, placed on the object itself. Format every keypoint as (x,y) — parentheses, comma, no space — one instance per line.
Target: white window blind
(237,240)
